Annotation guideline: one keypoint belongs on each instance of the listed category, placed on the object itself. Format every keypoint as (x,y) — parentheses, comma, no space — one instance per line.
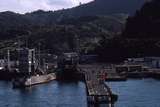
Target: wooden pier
(98,92)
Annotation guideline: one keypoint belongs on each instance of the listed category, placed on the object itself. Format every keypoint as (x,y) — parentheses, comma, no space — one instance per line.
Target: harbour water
(132,93)
(53,94)
(137,93)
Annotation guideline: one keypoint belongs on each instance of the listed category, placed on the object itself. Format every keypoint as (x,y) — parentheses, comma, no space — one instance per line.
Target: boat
(30,71)
(33,80)
(67,67)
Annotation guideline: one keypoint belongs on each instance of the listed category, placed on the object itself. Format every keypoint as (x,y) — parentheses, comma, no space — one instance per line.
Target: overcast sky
(23,6)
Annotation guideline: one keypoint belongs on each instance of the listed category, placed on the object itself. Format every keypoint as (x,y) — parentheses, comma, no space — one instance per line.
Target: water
(132,93)
(137,93)
(54,94)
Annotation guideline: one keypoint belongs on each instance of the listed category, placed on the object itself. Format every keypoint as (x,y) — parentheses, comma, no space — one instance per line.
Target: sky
(23,6)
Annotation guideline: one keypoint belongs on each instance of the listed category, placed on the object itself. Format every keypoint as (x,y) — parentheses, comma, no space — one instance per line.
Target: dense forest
(63,36)
(59,30)
(139,38)
(97,27)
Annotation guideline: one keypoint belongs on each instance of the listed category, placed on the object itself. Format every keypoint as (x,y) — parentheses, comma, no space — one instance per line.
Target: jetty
(98,91)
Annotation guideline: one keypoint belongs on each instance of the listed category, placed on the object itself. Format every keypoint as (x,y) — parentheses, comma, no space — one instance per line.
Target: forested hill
(140,38)
(146,22)
(94,8)
(105,7)
(58,30)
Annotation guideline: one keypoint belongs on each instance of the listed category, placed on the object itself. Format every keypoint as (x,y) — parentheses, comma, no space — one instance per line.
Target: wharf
(97,91)
(137,71)
(112,75)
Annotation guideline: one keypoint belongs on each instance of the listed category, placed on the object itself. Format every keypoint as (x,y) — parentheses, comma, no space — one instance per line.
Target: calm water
(133,93)
(54,94)
(137,93)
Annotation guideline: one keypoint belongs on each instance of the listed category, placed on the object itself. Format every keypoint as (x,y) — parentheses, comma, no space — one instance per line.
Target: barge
(33,80)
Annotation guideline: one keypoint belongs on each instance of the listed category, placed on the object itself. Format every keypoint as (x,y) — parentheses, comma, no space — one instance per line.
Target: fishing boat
(29,71)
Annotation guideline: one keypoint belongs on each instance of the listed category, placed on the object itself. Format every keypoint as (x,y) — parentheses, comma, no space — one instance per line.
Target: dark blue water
(137,93)
(54,94)
(132,93)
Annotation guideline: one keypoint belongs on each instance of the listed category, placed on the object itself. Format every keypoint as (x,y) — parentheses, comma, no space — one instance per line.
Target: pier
(97,91)
(32,70)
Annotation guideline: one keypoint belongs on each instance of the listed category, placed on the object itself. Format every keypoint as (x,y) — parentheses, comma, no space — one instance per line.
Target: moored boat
(33,80)
(30,71)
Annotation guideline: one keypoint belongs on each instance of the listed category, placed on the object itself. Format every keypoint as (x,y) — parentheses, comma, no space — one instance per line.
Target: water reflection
(54,94)
(132,93)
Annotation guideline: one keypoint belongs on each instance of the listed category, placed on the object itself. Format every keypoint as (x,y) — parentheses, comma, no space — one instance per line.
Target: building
(128,68)
(152,62)
(88,58)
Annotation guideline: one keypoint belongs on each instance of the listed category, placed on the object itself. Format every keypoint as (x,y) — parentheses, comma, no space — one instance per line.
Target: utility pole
(44,65)
(26,42)
(30,61)
(77,44)
(18,42)
(8,59)
(39,52)
(27,37)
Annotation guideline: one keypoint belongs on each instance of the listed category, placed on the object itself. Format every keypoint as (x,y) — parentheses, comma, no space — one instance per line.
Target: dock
(98,91)
(112,75)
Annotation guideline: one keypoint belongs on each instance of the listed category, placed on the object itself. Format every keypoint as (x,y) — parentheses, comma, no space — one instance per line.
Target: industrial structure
(30,72)
(27,61)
